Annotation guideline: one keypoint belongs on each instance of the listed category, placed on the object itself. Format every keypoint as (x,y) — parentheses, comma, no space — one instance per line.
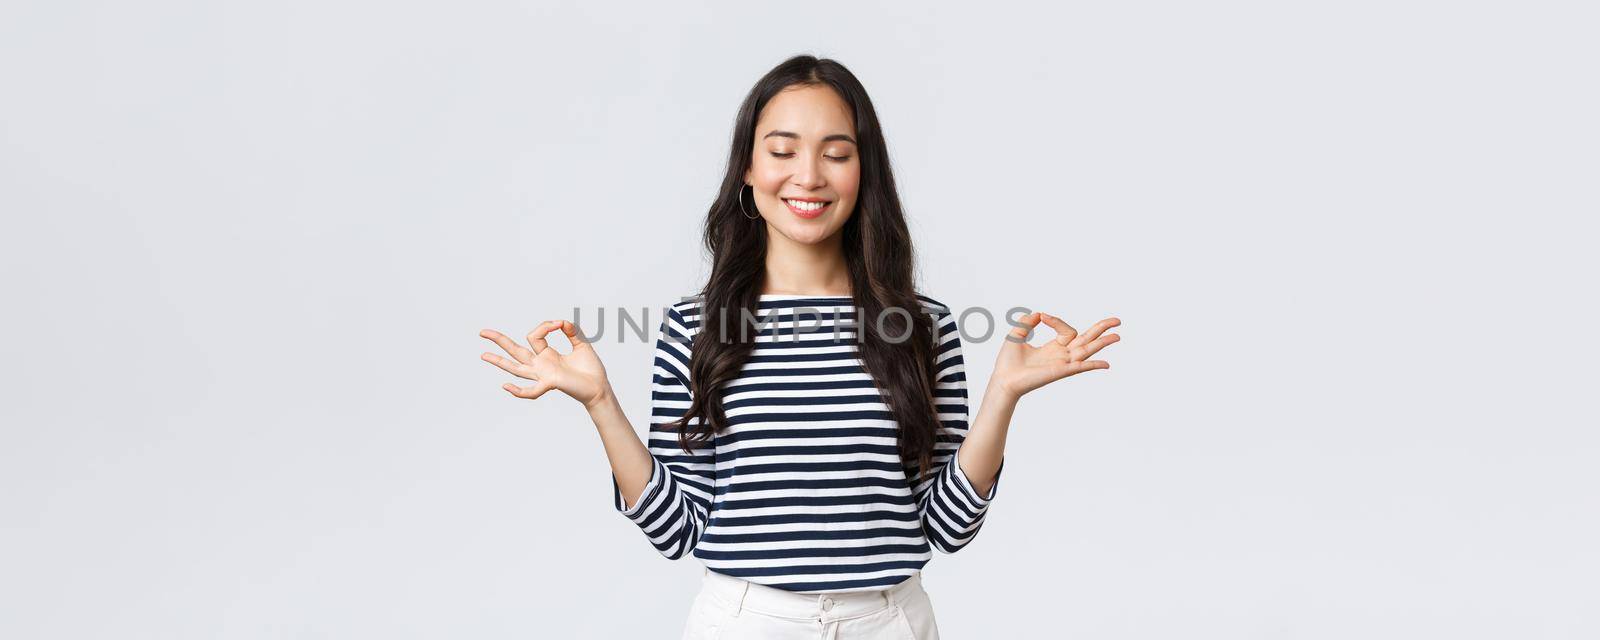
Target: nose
(808,176)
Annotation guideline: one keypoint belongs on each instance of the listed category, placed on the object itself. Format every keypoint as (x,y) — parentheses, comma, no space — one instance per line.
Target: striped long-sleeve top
(804,490)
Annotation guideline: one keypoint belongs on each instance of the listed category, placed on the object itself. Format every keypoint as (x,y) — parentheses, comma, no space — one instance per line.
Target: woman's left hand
(1022,367)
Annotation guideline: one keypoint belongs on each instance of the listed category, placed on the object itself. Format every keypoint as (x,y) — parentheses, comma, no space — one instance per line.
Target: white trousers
(729,608)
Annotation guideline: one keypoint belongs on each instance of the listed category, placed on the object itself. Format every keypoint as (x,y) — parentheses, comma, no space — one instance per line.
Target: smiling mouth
(808,209)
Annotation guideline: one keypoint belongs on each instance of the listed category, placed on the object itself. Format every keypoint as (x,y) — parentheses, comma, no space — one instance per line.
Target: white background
(248,247)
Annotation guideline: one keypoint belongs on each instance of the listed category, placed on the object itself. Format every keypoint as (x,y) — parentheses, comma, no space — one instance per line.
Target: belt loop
(738,603)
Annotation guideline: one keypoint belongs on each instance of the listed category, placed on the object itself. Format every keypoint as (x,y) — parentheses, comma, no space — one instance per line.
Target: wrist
(603,401)
(998,392)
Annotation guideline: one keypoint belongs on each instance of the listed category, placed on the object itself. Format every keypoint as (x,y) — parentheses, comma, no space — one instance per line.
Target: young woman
(809,441)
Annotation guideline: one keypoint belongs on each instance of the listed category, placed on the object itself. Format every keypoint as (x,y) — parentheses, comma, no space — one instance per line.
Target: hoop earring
(741,206)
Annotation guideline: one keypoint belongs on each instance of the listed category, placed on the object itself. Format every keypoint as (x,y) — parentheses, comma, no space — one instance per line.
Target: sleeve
(673,507)
(951,509)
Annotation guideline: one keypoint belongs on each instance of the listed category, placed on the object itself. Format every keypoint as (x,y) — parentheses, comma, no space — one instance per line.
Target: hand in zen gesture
(578,374)
(1022,367)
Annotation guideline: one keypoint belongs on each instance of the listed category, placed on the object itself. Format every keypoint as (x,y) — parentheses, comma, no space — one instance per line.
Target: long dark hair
(877,249)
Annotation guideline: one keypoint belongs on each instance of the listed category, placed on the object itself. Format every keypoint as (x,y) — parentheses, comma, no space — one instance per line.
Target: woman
(800,392)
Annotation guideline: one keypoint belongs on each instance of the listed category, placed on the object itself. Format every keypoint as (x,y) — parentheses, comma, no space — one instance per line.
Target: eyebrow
(796,136)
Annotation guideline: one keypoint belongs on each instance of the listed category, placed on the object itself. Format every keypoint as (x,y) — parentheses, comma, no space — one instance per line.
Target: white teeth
(806,206)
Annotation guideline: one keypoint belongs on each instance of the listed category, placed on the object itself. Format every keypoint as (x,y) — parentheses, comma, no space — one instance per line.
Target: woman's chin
(807,234)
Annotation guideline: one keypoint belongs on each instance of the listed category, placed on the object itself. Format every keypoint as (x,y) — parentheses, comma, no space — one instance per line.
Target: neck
(794,268)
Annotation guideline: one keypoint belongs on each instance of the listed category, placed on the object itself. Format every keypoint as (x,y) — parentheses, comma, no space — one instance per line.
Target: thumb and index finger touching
(536,339)
(568,330)
(1025,325)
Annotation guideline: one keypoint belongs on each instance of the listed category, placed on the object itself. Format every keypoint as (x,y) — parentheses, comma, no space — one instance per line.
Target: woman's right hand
(578,374)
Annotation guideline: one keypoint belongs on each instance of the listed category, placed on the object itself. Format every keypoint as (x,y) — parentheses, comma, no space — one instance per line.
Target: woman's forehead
(809,111)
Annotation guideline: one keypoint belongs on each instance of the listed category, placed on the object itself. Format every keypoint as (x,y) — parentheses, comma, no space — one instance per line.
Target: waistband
(739,594)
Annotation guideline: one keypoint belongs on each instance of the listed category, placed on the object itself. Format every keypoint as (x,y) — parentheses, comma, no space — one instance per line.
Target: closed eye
(791,154)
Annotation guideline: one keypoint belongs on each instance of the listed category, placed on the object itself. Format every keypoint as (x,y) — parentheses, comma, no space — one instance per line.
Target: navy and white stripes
(805,489)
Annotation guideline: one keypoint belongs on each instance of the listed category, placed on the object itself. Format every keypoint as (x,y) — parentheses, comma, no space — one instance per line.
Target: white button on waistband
(827,604)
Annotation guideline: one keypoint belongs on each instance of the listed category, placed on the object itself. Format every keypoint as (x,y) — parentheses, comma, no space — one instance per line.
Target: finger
(1028,322)
(1064,332)
(536,337)
(511,346)
(1075,368)
(529,393)
(512,367)
(1090,349)
(1097,329)
(573,337)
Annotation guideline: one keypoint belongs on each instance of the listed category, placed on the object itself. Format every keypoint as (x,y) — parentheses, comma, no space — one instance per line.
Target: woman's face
(805,156)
